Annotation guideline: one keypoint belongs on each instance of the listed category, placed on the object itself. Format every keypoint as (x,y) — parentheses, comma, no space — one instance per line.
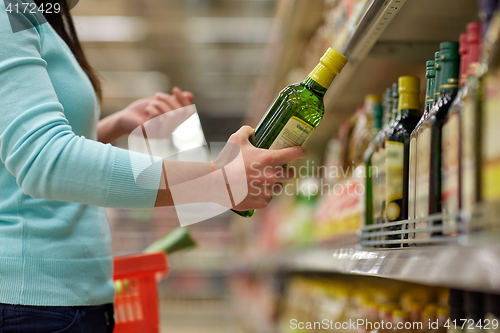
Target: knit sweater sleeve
(38,146)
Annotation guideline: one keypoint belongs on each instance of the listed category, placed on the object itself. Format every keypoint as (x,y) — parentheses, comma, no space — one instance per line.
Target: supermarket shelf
(467,267)
(378,15)
(393,38)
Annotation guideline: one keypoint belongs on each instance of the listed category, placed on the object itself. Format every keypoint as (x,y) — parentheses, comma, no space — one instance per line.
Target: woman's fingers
(286,155)
(242,135)
(182,98)
(188,95)
(161,105)
(153,110)
(169,100)
(284,174)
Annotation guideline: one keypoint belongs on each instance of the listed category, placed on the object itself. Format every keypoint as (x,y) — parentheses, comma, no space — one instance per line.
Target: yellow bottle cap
(409,84)
(374,98)
(330,65)
(334,60)
(409,90)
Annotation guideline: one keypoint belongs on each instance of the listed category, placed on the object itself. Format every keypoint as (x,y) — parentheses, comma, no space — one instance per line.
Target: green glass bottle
(432,126)
(378,158)
(423,162)
(398,148)
(430,74)
(373,107)
(387,133)
(298,109)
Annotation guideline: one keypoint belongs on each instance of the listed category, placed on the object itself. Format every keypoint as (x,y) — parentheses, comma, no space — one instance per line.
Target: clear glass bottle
(430,74)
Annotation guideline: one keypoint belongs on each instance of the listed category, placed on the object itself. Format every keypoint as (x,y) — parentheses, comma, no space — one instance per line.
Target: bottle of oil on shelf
(430,137)
(451,141)
(387,133)
(470,131)
(298,110)
(378,159)
(398,148)
(490,122)
(373,106)
(430,74)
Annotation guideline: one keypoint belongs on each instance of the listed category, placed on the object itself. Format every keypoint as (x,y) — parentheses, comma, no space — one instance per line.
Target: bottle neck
(395,108)
(314,86)
(409,105)
(436,82)
(449,76)
(322,76)
(429,98)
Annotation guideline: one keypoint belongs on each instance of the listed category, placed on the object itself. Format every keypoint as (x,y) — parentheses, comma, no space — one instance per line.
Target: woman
(55,256)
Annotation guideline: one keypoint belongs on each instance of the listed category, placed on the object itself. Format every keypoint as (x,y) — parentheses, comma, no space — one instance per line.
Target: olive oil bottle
(378,158)
(398,148)
(490,120)
(423,158)
(430,138)
(451,146)
(298,109)
(430,74)
(373,107)
(387,133)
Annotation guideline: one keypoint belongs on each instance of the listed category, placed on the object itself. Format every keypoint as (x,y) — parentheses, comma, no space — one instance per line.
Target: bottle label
(381,172)
(295,133)
(423,173)
(450,159)
(490,182)
(394,175)
(376,185)
(412,178)
(469,170)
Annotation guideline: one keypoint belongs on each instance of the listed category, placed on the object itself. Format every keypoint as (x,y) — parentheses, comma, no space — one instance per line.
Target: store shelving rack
(395,37)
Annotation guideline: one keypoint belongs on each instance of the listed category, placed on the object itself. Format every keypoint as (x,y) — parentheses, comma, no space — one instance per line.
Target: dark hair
(63,25)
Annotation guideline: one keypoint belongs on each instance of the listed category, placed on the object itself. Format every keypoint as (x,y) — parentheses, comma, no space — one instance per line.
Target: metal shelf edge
(474,268)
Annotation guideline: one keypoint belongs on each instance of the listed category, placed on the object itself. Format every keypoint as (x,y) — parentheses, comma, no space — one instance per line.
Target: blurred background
(216,49)
(235,56)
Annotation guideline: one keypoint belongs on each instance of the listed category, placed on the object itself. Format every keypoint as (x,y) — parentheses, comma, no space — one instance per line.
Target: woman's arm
(125,121)
(37,144)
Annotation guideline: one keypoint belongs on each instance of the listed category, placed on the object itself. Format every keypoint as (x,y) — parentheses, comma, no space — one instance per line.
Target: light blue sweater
(55,244)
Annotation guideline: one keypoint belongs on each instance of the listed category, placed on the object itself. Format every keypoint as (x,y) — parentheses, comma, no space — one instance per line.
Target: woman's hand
(125,121)
(264,168)
(264,171)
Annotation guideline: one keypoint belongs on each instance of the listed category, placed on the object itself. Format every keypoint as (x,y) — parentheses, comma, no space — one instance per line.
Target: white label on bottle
(295,133)
(376,185)
(450,154)
(469,170)
(412,178)
(394,175)
(490,173)
(423,166)
(381,172)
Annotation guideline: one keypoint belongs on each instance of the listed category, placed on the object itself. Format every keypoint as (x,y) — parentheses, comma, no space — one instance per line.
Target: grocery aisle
(392,217)
(192,316)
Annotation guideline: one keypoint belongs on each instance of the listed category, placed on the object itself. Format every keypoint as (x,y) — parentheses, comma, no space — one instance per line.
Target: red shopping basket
(136,296)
